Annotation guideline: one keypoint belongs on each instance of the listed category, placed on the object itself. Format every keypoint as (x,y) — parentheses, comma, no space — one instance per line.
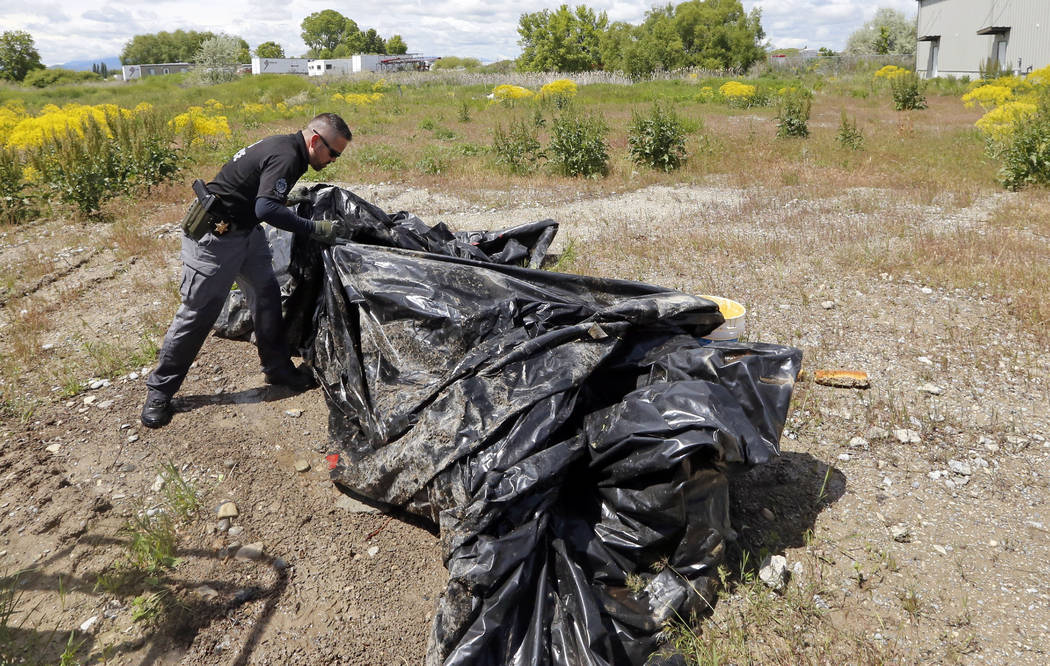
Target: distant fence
(534,79)
(837,64)
(794,64)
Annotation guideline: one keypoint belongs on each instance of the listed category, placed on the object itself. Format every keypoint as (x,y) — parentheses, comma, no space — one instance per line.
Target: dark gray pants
(209,268)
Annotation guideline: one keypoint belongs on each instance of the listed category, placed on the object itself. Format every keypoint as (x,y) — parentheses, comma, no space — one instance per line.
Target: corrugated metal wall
(961,51)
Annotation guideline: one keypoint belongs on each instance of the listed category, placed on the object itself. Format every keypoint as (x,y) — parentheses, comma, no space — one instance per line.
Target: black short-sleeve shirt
(267,168)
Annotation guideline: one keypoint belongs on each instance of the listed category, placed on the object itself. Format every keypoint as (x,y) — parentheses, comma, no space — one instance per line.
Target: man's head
(327,136)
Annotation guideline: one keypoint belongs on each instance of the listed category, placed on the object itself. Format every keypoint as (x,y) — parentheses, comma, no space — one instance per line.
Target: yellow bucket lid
(729,308)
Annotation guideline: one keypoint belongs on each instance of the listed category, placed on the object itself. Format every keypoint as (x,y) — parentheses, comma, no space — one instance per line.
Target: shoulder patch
(280,188)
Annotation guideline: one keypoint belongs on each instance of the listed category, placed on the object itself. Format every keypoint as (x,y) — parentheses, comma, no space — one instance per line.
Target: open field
(913,514)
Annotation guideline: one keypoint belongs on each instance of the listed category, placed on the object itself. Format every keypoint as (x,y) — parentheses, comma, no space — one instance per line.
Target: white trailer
(330,66)
(367,62)
(132,72)
(280,65)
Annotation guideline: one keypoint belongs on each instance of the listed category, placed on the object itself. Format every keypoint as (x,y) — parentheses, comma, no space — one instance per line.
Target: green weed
(151,542)
(180,495)
(517,149)
(578,146)
(657,140)
(793,113)
(907,92)
(69,654)
(848,135)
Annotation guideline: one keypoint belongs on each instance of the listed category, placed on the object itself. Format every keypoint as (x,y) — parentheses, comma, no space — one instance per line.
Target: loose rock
(960,468)
(227,510)
(906,436)
(205,592)
(774,572)
(900,532)
(251,551)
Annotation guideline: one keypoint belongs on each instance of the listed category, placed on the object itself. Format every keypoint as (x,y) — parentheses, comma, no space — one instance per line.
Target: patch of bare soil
(913,515)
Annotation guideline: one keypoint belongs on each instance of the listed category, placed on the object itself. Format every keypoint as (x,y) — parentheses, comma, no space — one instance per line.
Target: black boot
(292,377)
(157,411)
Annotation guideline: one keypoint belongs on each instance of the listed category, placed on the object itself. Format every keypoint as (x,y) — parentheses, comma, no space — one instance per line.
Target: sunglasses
(334,153)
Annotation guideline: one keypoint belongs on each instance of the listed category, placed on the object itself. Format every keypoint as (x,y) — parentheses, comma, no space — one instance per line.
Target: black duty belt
(201,217)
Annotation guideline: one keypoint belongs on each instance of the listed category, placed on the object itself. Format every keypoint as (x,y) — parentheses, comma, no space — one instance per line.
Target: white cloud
(88,29)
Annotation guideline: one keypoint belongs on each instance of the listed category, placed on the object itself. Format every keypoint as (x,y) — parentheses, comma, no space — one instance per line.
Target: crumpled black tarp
(572,437)
(523,244)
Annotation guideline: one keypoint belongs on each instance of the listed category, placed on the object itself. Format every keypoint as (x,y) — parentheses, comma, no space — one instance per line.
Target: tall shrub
(657,139)
(517,149)
(87,165)
(16,200)
(1026,153)
(908,92)
(793,113)
(578,146)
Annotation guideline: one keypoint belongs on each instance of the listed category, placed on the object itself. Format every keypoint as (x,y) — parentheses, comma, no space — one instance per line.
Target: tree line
(706,34)
(327,33)
(710,34)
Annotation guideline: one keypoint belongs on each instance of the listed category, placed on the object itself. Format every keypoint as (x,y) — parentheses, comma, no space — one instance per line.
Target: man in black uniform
(252,186)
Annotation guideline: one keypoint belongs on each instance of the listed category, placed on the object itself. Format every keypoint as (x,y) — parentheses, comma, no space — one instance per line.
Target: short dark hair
(333,123)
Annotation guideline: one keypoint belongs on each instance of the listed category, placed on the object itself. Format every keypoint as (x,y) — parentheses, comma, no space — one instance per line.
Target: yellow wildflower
(737,93)
(201,125)
(509,93)
(988,96)
(998,124)
(890,72)
(31,174)
(559,88)
(1040,77)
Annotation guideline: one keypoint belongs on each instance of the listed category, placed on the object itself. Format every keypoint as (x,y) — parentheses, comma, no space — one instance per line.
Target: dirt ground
(913,514)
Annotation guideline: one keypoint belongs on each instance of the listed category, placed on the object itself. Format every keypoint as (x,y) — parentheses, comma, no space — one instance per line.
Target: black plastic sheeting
(571,437)
(523,244)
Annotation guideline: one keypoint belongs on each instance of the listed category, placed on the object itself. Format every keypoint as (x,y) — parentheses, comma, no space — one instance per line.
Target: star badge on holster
(221,227)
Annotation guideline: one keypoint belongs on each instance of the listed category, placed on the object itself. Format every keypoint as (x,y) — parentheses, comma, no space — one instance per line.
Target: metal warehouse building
(956,37)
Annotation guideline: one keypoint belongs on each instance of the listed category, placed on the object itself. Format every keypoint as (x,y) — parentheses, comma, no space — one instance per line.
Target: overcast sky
(93,29)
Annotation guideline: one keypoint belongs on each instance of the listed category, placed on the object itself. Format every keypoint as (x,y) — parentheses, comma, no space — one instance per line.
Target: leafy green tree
(562,40)
(641,50)
(661,43)
(889,31)
(269,50)
(718,34)
(217,58)
(158,47)
(18,55)
(371,42)
(882,42)
(325,30)
(244,53)
(396,46)
(178,46)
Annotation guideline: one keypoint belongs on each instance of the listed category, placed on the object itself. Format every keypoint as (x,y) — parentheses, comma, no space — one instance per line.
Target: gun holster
(200,216)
